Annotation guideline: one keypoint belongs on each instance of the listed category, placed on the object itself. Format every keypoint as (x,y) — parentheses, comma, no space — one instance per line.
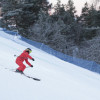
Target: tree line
(61,30)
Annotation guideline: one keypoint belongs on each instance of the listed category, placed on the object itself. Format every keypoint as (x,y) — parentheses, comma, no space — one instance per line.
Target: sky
(77,3)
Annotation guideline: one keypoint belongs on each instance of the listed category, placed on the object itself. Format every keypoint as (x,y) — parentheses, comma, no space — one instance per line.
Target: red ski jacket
(24,56)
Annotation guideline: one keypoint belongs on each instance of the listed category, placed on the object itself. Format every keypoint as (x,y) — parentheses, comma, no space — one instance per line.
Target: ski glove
(33,59)
(31,65)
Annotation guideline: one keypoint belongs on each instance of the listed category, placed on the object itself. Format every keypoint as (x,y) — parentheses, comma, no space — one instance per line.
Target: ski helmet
(29,50)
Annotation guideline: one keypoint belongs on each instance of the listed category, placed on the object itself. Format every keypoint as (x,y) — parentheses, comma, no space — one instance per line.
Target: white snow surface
(60,80)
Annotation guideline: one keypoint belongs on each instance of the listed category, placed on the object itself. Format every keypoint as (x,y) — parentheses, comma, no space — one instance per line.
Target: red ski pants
(21,65)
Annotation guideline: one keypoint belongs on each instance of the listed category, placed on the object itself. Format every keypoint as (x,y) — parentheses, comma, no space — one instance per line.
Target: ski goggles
(30,51)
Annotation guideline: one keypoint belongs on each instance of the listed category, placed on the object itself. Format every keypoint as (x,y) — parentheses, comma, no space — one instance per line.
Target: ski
(36,79)
(13,70)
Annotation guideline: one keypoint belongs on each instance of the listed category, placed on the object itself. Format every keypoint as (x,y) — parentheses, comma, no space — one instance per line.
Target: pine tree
(84,15)
(22,13)
(98,18)
(92,17)
(65,12)
(89,16)
(71,8)
(59,11)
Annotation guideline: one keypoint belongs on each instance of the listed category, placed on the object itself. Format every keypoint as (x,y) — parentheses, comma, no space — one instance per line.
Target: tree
(90,16)
(65,12)
(46,26)
(84,15)
(59,11)
(98,18)
(22,13)
(71,8)
(96,3)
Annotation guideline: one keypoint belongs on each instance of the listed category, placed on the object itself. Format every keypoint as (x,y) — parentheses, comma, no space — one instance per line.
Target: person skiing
(23,57)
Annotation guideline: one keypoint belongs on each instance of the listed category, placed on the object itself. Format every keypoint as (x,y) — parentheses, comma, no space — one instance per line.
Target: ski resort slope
(60,80)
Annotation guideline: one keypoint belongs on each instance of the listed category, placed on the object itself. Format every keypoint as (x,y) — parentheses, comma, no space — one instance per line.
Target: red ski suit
(21,58)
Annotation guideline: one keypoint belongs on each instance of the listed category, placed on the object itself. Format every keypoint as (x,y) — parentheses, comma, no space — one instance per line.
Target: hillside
(60,80)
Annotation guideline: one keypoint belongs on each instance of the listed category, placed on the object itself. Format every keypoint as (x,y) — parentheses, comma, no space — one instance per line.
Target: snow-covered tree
(22,13)
(89,16)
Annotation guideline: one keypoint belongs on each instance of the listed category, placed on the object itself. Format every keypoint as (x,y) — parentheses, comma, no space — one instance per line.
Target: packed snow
(60,80)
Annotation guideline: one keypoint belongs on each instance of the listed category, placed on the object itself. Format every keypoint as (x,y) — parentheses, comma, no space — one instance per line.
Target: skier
(24,57)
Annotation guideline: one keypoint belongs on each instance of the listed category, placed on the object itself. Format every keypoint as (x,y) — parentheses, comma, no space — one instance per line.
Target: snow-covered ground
(59,80)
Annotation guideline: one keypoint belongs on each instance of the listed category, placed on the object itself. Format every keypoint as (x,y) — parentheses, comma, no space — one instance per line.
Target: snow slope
(59,80)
